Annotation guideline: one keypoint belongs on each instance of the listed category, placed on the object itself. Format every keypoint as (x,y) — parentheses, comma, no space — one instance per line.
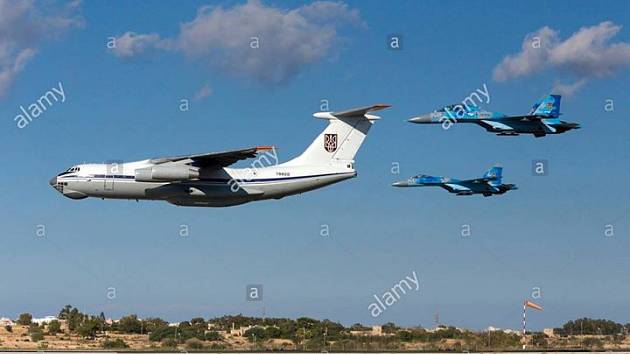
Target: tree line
(304,332)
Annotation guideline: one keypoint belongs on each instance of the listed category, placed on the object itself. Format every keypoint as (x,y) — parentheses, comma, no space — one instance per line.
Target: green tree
(255,334)
(73,317)
(198,321)
(25,319)
(153,323)
(358,327)
(36,333)
(114,344)
(390,327)
(162,333)
(213,336)
(592,326)
(169,343)
(539,340)
(54,327)
(88,328)
(273,332)
(130,324)
(404,336)
(194,344)
(65,312)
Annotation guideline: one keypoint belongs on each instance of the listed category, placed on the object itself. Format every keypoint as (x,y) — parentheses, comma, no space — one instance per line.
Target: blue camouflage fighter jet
(543,118)
(487,185)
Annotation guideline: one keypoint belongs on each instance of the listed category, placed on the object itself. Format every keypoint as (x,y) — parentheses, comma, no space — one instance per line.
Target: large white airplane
(206,180)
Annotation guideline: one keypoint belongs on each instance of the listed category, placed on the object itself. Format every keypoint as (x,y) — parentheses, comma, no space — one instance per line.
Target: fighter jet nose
(421,119)
(400,184)
(53,181)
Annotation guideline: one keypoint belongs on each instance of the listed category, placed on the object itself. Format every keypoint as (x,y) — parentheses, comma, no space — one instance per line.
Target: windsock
(533,305)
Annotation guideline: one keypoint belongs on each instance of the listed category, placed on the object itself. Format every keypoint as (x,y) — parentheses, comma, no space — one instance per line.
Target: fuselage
(500,124)
(542,120)
(208,180)
(215,187)
(457,186)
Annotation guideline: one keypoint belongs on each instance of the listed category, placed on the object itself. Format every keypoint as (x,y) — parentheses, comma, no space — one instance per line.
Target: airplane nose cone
(400,184)
(426,118)
(53,181)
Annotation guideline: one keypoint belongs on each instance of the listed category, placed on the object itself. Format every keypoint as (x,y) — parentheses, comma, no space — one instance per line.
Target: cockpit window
(70,170)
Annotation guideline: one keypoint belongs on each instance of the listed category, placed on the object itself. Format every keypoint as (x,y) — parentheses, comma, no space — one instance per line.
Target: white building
(240,331)
(45,320)
(4,321)
(506,331)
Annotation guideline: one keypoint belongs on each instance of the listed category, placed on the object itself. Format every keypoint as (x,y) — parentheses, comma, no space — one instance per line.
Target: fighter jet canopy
(450,107)
(458,107)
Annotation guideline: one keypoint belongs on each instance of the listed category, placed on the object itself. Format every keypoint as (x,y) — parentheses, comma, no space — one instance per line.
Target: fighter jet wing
(528,118)
(214,159)
(455,188)
(478,180)
(478,185)
(495,125)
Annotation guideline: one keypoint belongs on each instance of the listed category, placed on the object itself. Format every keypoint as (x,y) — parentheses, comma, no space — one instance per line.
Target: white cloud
(23,26)
(252,40)
(586,54)
(533,56)
(131,44)
(13,67)
(568,89)
(204,92)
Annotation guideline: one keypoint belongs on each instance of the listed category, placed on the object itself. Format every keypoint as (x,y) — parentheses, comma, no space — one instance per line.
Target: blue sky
(549,234)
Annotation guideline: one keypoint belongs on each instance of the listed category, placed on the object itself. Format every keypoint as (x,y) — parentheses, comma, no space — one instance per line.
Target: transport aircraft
(207,180)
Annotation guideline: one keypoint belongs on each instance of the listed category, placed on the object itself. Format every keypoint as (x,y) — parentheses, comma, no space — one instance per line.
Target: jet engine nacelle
(166,173)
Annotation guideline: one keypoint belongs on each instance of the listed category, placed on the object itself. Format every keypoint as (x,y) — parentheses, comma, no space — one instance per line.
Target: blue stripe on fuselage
(217,180)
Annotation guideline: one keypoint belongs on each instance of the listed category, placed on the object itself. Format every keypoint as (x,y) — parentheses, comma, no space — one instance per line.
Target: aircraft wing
(530,118)
(214,159)
(455,188)
(478,180)
(495,125)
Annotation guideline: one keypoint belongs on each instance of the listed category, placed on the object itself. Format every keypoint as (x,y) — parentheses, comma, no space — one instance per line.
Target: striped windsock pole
(527,304)
(524,319)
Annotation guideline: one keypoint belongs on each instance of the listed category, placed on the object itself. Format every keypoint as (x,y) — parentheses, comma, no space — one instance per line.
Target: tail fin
(341,139)
(548,106)
(495,174)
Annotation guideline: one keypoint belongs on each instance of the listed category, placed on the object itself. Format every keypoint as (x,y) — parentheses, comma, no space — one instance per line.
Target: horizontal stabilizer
(361,112)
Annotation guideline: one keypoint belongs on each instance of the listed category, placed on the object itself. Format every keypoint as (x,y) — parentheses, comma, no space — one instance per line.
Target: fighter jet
(487,185)
(206,180)
(543,118)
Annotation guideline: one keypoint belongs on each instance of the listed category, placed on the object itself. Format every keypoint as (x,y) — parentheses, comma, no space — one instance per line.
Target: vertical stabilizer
(495,174)
(342,138)
(548,107)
